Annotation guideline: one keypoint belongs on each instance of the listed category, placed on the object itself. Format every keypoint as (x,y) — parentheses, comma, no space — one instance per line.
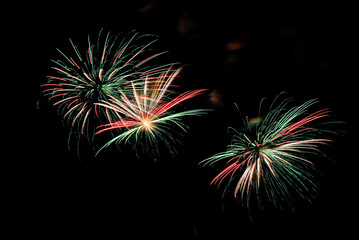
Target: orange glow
(146,123)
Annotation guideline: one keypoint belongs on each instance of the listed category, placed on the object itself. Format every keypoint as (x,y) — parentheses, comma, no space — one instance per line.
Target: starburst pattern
(148,118)
(273,160)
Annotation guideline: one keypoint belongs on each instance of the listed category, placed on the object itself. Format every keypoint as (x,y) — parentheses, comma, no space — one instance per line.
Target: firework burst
(272,159)
(148,119)
(98,74)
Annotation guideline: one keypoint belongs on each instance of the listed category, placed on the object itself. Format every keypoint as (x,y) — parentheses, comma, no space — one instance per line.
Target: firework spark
(273,158)
(105,68)
(147,118)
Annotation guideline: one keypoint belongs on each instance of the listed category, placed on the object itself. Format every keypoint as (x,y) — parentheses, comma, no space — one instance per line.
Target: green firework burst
(109,65)
(272,159)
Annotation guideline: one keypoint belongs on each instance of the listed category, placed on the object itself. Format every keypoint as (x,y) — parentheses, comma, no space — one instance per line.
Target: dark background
(240,53)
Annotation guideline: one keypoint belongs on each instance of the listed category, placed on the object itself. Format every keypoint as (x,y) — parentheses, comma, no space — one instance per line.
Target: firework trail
(106,68)
(271,160)
(147,119)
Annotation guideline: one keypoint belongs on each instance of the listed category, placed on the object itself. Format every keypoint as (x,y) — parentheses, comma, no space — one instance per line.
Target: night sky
(240,53)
